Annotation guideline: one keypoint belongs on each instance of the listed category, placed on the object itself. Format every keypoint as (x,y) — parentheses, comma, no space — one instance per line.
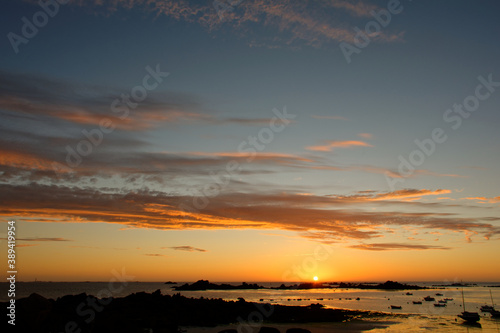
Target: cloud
(366,135)
(294,22)
(326,218)
(404,195)
(155,255)
(43,239)
(185,248)
(484,200)
(65,102)
(396,246)
(357,8)
(330,145)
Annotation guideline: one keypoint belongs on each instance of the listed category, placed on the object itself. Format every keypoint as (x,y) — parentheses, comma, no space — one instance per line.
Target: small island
(206,285)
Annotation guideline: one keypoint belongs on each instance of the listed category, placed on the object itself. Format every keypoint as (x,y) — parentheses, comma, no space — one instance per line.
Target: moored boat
(398,307)
(429,299)
(470,317)
(487,308)
(417,302)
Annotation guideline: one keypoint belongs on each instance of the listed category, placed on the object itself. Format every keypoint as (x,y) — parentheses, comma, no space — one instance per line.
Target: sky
(251,140)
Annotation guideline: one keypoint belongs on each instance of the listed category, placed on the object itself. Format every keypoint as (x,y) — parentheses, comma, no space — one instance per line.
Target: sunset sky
(251,140)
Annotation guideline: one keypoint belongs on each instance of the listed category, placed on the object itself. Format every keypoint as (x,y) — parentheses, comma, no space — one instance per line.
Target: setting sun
(315,278)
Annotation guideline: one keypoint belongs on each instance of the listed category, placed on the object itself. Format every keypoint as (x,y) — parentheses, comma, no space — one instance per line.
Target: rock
(297,330)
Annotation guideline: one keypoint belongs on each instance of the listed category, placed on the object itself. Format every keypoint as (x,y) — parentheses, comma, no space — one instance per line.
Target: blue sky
(323,178)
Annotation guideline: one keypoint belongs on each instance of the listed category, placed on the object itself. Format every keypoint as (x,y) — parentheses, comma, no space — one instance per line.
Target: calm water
(423,317)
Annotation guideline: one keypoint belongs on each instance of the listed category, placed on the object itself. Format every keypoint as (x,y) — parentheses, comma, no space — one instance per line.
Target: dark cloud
(397,246)
(43,239)
(319,217)
(186,248)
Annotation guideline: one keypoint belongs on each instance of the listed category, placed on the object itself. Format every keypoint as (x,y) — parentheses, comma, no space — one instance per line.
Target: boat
(494,313)
(487,308)
(417,302)
(398,307)
(448,299)
(440,305)
(408,293)
(429,299)
(442,301)
(469,317)
(439,294)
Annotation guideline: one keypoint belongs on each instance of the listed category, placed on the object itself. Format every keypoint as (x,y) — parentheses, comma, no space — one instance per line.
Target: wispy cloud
(485,200)
(42,239)
(310,22)
(397,246)
(366,135)
(185,248)
(330,145)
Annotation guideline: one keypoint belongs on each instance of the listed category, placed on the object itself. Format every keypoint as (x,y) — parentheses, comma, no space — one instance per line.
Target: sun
(315,278)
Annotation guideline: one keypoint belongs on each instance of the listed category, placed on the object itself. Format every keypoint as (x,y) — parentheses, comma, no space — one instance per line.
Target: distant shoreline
(201,285)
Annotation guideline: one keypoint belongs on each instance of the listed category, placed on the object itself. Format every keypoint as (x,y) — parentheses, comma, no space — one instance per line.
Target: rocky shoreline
(154,312)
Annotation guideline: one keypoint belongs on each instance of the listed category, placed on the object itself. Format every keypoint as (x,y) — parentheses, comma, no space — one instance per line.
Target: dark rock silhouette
(265,329)
(297,330)
(140,312)
(388,285)
(206,285)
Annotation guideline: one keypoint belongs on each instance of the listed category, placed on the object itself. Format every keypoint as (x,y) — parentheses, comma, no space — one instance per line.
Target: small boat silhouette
(469,317)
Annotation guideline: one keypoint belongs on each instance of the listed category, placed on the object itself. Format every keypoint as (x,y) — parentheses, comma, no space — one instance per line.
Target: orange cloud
(330,145)
(323,218)
(366,135)
(485,200)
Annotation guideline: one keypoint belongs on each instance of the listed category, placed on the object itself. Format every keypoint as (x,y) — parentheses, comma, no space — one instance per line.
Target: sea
(411,317)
